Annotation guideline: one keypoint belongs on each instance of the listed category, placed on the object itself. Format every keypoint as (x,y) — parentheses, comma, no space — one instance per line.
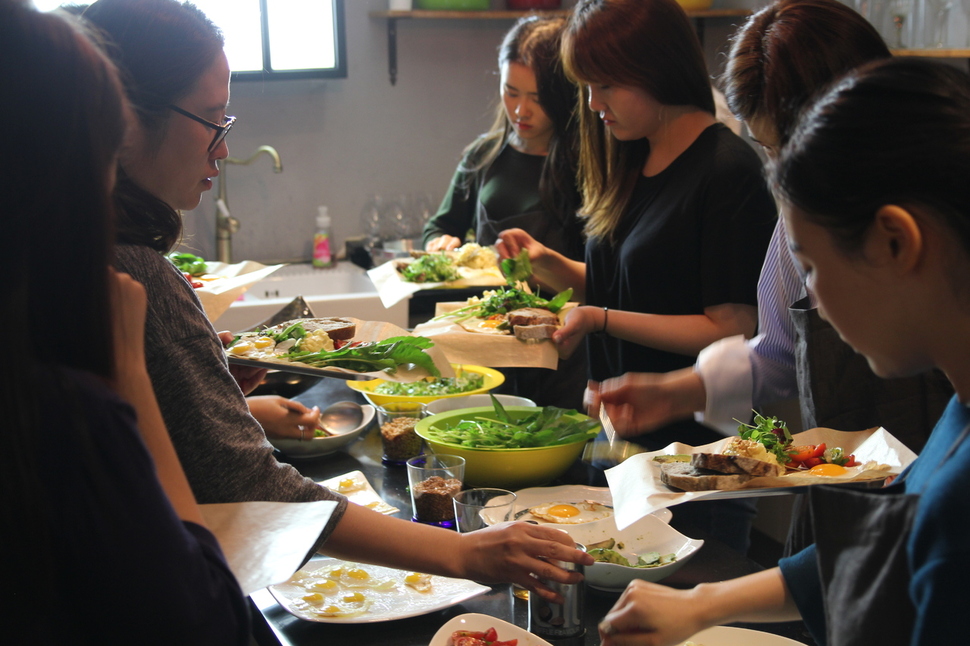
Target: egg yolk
(827,470)
(491,323)
(563,511)
(263,342)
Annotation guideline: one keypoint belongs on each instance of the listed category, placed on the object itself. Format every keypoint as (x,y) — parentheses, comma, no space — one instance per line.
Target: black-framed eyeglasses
(221,131)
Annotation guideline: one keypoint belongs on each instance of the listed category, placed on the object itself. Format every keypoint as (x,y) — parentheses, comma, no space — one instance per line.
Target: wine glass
(899,11)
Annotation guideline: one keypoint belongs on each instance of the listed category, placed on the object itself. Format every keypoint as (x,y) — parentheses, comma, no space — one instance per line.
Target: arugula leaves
(549,426)
(518,269)
(188,263)
(505,299)
(386,355)
(432,268)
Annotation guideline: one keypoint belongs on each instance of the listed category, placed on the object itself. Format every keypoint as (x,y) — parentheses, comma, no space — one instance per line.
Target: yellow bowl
(493,379)
(506,468)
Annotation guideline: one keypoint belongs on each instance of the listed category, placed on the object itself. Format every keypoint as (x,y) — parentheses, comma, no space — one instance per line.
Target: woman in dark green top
(522,173)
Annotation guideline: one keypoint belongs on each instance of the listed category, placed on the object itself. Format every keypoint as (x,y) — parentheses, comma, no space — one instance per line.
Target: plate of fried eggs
(565,506)
(329,590)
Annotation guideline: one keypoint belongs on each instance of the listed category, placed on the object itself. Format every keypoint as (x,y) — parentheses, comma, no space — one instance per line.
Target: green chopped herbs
(517,269)
(770,432)
(430,387)
(548,426)
(646,560)
(188,263)
(505,299)
(431,268)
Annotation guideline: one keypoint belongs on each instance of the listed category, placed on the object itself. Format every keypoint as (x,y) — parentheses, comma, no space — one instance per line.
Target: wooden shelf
(933,53)
(698,16)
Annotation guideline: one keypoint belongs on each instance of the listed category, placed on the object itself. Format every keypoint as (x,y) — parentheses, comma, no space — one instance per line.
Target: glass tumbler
(478,508)
(398,437)
(433,481)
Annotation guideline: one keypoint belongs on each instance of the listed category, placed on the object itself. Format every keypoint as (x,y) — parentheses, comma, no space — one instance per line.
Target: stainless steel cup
(548,619)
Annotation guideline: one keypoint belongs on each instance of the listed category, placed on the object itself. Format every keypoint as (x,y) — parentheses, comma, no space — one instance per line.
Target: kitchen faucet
(226,225)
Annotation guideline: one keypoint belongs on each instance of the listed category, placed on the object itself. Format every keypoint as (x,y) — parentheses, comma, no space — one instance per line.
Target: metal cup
(548,619)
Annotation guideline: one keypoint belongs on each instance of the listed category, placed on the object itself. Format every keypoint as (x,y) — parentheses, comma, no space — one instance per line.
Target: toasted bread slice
(689,478)
(337,329)
(534,332)
(721,463)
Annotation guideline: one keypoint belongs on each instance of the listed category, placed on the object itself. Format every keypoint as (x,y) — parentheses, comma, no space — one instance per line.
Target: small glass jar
(398,437)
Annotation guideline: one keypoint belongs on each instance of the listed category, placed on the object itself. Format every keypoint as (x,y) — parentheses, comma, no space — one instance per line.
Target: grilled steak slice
(532,316)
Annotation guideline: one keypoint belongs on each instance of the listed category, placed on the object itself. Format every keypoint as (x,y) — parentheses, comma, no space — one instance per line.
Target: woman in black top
(677,213)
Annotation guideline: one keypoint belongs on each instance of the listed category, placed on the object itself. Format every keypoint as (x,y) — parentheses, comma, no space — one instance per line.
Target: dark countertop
(273,626)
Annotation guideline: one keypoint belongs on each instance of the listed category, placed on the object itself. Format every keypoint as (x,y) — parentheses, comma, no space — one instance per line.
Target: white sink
(343,290)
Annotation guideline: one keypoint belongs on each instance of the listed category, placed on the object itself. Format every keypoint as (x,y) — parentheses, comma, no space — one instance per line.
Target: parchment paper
(489,350)
(392,288)
(266,542)
(218,295)
(638,491)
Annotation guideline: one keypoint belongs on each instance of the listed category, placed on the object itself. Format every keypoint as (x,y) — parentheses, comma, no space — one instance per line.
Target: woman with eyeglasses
(103,541)
(177,78)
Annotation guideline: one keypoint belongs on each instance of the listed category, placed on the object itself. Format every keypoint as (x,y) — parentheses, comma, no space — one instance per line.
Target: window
(274,39)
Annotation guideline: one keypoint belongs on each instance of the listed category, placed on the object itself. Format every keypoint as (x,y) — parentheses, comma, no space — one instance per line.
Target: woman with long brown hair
(677,212)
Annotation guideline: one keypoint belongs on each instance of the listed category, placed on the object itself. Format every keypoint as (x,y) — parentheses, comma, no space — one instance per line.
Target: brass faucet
(226,225)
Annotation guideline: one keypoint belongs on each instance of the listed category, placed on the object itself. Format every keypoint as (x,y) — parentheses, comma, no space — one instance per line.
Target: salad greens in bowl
(510,447)
(468,380)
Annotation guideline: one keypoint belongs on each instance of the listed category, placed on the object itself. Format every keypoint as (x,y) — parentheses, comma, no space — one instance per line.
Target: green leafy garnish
(517,269)
(505,299)
(430,387)
(770,432)
(295,331)
(188,263)
(647,560)
(548,426)
(431,268)
(386,356)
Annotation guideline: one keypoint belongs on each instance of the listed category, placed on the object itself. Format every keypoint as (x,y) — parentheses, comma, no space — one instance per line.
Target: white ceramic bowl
(471,401)
(319,446)
(649,534)
(480,623)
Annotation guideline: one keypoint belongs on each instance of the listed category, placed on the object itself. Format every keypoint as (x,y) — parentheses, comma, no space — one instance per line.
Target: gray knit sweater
(223,449)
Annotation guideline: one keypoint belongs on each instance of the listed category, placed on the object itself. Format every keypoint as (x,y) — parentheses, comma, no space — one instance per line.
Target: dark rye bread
(682,475)
(720,463)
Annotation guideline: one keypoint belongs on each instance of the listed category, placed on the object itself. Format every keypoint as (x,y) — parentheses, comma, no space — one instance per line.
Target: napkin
(393,289)
(218,295)
(266,542)
(637,490)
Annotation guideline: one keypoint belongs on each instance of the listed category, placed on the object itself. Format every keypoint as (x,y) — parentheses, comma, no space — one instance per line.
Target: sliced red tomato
(819,450)
(467,640)
(490,635)
(812,462)
(511,642)
(801,453)
(851,461)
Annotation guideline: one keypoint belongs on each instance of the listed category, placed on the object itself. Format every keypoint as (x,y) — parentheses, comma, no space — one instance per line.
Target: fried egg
(569,513)
(486,326)
(419,581)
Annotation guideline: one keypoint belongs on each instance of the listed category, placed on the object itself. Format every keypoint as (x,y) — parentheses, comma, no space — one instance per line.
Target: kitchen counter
(273,626)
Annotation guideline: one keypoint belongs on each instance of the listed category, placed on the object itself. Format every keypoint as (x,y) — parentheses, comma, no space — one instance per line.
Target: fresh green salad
(430,387)
(517,269)
(188,263)
(431,268)
(770,432)
(549,426)
(647,560)
(505,299)
(386,355)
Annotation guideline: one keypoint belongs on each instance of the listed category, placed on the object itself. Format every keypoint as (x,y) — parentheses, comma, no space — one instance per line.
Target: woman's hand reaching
(284,419)
(520,553)
(247,377)
(640,402)
(443,242)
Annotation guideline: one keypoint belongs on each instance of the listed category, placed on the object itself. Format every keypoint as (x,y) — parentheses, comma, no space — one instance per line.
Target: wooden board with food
(764,459)
(345,348)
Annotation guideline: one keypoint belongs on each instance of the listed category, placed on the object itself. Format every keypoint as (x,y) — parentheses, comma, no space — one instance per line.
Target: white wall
(343,139)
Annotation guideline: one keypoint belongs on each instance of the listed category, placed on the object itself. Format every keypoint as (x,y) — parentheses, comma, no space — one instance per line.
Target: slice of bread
(337,329)
(687,477)
(735,464)
(528,316)
(534,332)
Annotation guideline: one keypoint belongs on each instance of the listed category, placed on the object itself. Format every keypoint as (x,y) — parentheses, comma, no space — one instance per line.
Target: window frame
(339,70)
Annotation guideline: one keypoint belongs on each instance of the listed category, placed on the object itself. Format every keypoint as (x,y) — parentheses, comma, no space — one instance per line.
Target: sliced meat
(532,316)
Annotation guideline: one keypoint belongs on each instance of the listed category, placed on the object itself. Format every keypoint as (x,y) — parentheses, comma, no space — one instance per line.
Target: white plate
(526,498)
(729,636)
(320,446)
(481,623)
(399,603)
(648,534)
(358,491)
